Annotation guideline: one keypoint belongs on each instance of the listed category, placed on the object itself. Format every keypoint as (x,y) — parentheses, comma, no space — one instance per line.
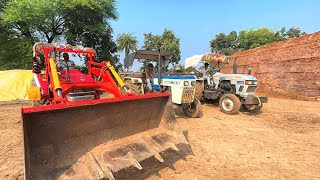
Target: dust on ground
(281,142)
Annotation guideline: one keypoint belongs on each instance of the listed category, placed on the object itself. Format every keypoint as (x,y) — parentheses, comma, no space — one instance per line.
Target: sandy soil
(281,142)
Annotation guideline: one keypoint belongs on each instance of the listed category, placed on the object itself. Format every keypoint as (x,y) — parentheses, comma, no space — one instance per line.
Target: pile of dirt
(288,68)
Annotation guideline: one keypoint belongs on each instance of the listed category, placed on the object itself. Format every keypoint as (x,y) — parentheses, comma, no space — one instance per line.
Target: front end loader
(75,134)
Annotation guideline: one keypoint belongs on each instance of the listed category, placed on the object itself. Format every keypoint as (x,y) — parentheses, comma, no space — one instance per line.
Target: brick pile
(289,68)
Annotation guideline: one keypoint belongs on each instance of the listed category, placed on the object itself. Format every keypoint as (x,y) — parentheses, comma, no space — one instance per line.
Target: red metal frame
(106,83)
(91,102)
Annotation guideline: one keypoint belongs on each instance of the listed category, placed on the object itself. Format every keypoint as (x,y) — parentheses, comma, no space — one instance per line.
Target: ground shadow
(180,114)
(215,104)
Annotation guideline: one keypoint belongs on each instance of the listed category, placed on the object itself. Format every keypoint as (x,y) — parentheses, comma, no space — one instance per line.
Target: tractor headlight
(251,82)
(193,83)
(186,83)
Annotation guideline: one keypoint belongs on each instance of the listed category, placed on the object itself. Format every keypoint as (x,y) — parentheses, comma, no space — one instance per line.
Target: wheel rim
(227,104)
(191,107)
(251,107)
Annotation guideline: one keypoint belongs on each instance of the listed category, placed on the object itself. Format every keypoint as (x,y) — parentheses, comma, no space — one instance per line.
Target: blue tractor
(181,87)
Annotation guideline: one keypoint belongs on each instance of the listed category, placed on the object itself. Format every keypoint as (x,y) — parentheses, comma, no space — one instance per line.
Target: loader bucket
(93,139)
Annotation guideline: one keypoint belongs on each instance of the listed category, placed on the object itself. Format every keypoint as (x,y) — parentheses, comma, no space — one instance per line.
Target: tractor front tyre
(252,108)
(194,110)
(199,89)
(134,88)
(229,104)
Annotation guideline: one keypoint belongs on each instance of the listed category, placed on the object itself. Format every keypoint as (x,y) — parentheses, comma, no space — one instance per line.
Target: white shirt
(70,63)
(204,71)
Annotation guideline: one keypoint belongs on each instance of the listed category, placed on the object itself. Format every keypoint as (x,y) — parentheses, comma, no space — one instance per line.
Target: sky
(196,22)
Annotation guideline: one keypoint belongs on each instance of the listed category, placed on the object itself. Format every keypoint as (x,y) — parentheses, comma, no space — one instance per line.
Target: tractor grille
(81,95)
(187,95)
(251,88)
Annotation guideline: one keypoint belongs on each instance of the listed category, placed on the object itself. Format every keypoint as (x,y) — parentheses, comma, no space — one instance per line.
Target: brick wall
(289,68)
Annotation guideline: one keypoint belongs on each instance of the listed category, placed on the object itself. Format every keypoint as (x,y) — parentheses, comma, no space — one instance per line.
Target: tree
(127,42)
(15,52)
(46,20)
(291,33)
(248,39)
(89,27)
(226,44)
(76,21)
(167,42)
(256,38)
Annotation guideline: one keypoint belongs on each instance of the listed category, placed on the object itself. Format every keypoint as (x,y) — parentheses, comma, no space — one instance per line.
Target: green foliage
(226,44)
(45,20)
(291,33)
(15,51)
(79,22)
(18,56)
(248,39)
(256,38)
(127,42)
(87,27)
(167,42)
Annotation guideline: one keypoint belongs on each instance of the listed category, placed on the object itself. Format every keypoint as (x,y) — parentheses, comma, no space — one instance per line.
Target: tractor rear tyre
(252,108)
(194,110)
(229,104)
(134,88)
(199,89)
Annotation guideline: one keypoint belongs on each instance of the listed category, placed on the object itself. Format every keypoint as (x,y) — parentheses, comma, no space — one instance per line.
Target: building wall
(289,68)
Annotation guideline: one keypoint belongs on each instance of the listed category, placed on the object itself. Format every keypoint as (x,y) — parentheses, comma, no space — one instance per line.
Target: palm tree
(127,42)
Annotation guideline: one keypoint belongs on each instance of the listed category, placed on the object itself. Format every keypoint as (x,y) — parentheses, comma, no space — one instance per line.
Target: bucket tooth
(151,145)
(109,175)
(185,141)
(103,173)
(173,146)
(136,163)
(158,157)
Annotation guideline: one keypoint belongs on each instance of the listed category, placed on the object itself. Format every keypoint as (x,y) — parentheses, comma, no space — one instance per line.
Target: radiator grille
(187,95)
(251,88)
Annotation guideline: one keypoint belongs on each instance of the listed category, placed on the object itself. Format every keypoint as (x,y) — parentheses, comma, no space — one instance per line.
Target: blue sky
(197,22)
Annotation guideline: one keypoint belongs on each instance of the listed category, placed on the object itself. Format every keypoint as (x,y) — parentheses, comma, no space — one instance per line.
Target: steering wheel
(65,64)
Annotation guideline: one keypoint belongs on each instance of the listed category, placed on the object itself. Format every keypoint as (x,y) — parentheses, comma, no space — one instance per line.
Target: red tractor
(76,134)
(60,84)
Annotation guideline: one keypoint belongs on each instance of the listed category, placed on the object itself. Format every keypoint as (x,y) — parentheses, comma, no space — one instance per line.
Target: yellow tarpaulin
(14,84)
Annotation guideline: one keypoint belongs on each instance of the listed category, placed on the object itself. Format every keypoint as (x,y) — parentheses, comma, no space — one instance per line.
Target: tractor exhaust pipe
(159,68)
(235,65)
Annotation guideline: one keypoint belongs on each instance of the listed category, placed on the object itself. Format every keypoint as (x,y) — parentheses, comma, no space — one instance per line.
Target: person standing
(66,61)
(149,73)
(205,73)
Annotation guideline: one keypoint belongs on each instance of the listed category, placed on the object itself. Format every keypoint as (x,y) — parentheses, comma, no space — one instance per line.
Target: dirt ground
(282,142)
